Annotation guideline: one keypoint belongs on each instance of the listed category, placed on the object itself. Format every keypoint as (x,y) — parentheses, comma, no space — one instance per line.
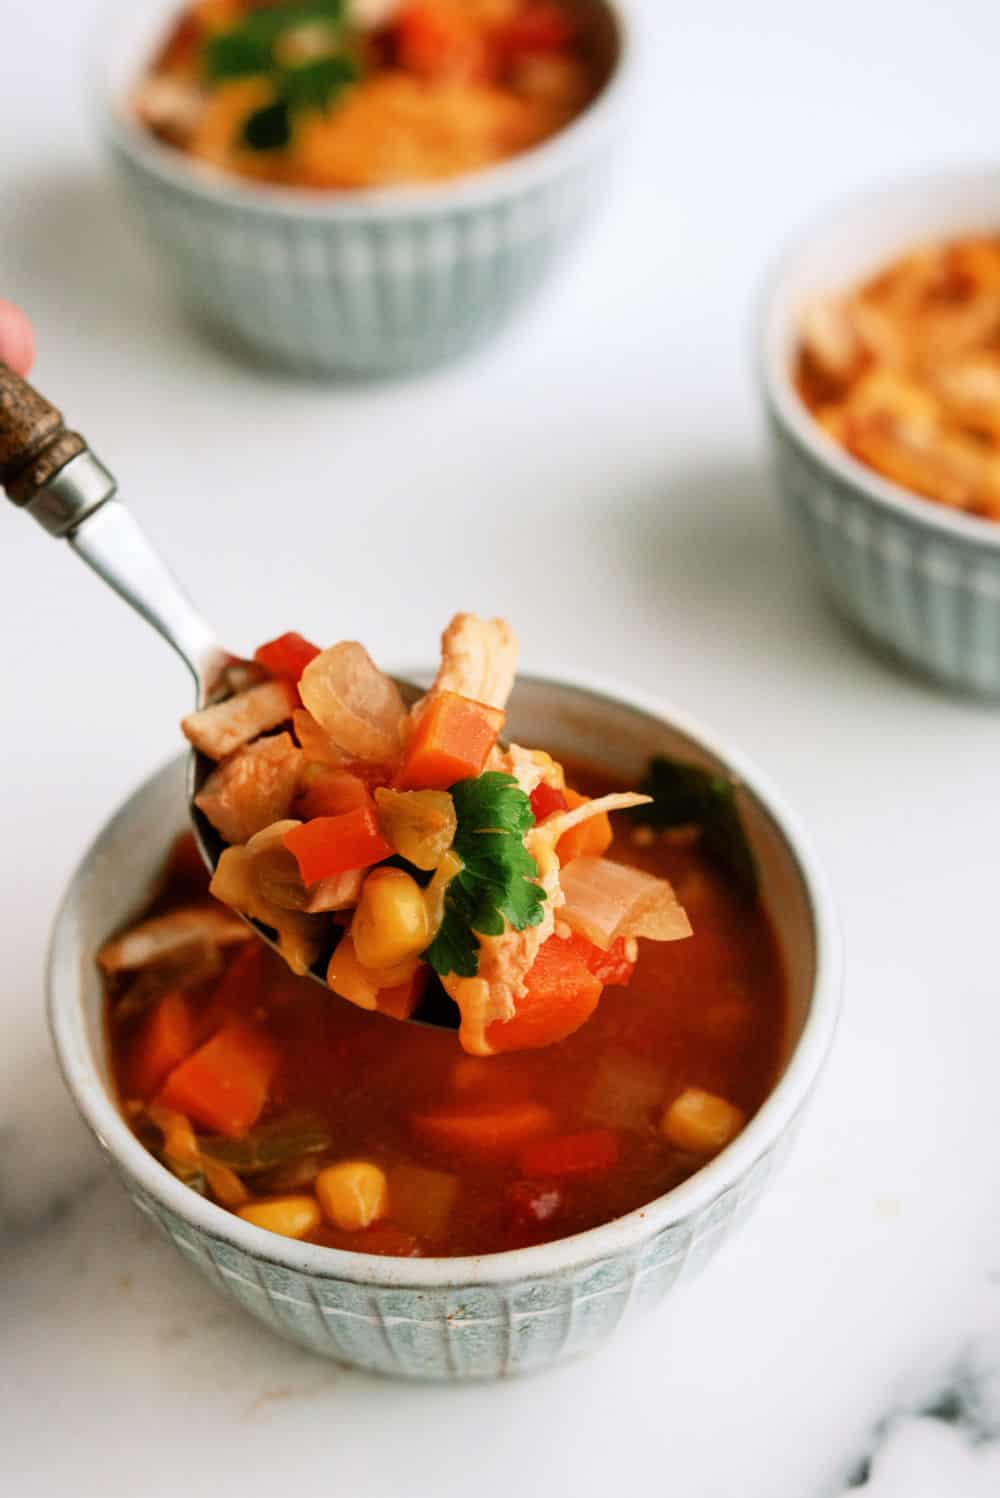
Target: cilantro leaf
(235,54)
(684,794)
(268,129)
(496,885)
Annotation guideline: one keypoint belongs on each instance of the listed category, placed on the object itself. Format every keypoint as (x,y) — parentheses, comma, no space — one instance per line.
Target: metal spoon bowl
(51,474)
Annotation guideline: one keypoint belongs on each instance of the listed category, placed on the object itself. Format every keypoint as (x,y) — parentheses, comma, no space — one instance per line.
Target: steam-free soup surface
(471,1155)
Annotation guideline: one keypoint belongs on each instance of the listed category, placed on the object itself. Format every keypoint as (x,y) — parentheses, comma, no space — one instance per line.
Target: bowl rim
(516,175)
(774,368)
(563,1255)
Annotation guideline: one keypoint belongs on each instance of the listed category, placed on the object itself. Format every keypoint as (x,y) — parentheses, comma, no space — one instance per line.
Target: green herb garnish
(686,794)
(497,883)
(262,45)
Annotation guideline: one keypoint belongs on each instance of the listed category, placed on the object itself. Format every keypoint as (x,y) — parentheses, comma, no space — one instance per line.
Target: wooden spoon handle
(34,442)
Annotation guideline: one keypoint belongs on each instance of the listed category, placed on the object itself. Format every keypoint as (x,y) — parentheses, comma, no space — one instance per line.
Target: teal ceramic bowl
(505,1313)
(921,581)
(377,282)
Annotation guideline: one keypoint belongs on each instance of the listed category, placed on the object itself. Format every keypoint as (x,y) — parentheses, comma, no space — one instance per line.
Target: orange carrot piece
(224,1084)
(592,838)
(168,1034)
(490,1131)
(562,994)
(451,742)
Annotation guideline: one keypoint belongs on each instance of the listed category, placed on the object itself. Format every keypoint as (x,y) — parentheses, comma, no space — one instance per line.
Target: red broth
(561,1139)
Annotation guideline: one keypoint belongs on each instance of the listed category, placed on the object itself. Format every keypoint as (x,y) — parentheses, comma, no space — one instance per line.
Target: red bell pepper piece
(539,28)
(287,656)
(333,845)
(570,1154)
(545,799)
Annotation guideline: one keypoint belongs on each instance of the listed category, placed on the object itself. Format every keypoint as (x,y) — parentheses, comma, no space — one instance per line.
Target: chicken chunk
(478,659)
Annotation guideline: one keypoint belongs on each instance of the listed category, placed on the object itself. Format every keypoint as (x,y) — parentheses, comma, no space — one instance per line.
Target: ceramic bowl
(921,580)
(498,1314)
(375,282)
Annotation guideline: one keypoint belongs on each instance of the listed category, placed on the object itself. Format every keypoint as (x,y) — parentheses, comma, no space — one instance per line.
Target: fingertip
(17,338)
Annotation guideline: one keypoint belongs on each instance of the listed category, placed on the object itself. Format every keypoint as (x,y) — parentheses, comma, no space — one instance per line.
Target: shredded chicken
(478,659)
(164,936)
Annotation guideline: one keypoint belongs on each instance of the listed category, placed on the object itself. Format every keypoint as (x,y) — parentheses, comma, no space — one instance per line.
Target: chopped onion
(606,900)
(165,936)
(299,935)
(354,702)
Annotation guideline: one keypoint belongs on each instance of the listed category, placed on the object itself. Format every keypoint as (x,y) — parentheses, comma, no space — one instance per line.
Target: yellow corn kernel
(701,1122)
(352,1194)
(291,1216)
(361,985)
(390,923)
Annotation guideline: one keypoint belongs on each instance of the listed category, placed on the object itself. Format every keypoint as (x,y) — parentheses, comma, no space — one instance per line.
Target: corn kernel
(291,1216)
(352,1194)
(701,1122)
(390,923)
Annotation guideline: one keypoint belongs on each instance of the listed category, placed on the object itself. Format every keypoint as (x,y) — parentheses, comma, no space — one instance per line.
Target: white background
(599,477)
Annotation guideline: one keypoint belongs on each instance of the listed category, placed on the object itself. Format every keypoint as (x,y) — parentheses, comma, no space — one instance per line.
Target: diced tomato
(168,1034)
(539,28)
(240,990)
(402,1001)
(224,1084)
(327,792)
(591,839)
(570,1154)
(489,1131)
(332,845)
(451,742)
(439,39)
(545,799)
(287,656)
(533,1202)
(612,968)
(562,994)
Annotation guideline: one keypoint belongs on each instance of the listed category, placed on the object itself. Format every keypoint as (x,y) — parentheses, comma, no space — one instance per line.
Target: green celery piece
(316,84)
(684,794)
(268,1145)
(235,54)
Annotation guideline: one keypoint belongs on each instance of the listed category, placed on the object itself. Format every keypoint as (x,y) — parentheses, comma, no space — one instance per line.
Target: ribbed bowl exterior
(468,1330)
(362,295)
(928,595)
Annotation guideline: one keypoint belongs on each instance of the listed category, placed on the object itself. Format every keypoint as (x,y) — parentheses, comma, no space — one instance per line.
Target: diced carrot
(403,1000)
(332,845)
(545,799)
(592,838)
(439,39)
(287,656)
(562,994)
(490,1131)
(326,792)
(570,1154)
(451,742)
(224,1084)
(168,1034)
(538,28)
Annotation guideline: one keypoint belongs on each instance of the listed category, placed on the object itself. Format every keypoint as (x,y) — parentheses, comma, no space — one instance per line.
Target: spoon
(52,475)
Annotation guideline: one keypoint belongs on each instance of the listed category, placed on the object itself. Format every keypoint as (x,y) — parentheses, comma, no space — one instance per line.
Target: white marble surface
(599,477)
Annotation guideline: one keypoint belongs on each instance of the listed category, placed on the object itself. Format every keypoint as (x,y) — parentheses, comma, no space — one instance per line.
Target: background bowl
(463,1317)
(918,578)
(381,281)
